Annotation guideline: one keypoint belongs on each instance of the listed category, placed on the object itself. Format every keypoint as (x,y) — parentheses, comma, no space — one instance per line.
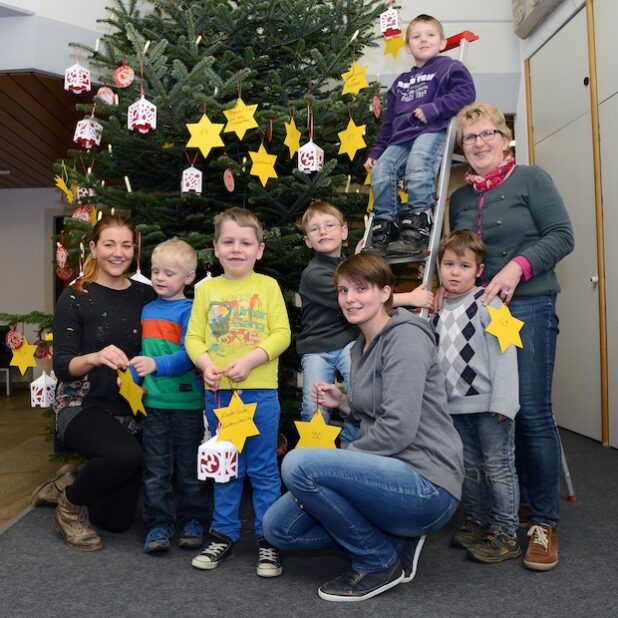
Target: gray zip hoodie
(397,393)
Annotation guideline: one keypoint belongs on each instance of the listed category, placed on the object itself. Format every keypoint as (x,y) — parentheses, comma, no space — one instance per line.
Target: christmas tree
(197,60)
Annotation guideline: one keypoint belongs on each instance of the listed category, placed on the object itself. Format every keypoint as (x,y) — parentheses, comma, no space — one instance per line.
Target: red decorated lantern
(191,181)
(142,116)
(77,79)
(88,133)
(390,24)
(310,158)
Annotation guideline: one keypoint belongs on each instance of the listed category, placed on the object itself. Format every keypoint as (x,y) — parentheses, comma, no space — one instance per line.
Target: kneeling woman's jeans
(366,504)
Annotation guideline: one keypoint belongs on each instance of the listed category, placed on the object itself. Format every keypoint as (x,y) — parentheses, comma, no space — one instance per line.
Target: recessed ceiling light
(5,172)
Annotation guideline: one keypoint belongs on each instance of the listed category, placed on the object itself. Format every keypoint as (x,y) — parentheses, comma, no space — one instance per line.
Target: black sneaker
(219,547)
(415,230)
(409,557)
(353,586)
(382,233)
(496,546)
(268,562)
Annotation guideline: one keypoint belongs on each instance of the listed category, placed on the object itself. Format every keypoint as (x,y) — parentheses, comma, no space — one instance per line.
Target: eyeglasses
(327,227)
(486,136)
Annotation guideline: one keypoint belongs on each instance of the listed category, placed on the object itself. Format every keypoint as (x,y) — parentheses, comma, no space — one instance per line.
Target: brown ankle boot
(71,522)
(49,491)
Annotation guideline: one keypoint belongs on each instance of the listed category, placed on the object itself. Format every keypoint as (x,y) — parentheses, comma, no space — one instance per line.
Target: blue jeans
(323,368)
(170,441)
(537,443)
(258,461)
(364,503)
(490,489)
(418,161)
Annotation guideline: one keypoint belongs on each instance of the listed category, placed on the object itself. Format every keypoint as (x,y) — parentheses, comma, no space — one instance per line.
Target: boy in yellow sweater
(238,328)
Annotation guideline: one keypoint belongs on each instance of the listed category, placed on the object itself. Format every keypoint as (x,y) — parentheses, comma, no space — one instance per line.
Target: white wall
(493,60)
(27,250)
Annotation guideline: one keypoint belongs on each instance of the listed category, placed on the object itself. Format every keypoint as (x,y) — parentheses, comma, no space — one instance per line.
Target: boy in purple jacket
(420,104)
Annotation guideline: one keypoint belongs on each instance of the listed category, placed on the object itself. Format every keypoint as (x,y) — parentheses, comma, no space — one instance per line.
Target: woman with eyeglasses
(518,212)
(96,331)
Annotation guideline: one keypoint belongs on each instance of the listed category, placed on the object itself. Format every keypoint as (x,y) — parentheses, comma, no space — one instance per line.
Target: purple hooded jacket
(440,88)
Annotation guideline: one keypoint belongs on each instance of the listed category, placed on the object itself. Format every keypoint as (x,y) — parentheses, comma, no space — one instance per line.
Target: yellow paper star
(368,177)
(94,216)
(316,432)
(237,422)
(263,165)
(505,327)
(352,139)
(131,391)
(292,137)
(205,135)
(23,356)
(240,118)
(403,196)
(371,201)
(393,45)
(354,80)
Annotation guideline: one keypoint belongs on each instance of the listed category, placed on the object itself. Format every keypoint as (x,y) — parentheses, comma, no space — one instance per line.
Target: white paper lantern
(88,133)
(142,116)
(43,390)
(217,460)
(77,79)
(191,181)
(390,24)
(310,158)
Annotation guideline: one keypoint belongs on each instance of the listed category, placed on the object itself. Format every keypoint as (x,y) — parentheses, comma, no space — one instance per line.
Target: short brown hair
(177,251)
(241,216)
(481,111)
(321,207)
(424,19)
(367,268)
(461,241)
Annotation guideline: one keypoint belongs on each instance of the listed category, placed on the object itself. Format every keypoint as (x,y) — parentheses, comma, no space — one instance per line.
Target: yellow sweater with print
(231,317)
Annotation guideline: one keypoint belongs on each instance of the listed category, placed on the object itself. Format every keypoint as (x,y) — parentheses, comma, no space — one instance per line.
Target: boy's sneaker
(495,547)
(219,547)
(414,236)
(542,552)
(192,535)
(409,557)
(158,539)
(470,533)
(382,233)
(268,562)
(354,586)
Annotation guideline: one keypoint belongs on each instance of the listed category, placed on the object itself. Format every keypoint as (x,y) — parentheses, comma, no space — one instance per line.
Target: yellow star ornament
(237,422)
(393,45)
(352,139)
(131,391)
(205,135)
(316,432)
(23,356)
(354,80)
(368,177)
(263,165)
(292,137)
(505,327)
(240,118)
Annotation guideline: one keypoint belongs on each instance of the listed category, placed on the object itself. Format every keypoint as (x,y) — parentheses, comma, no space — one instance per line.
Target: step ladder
(461,41)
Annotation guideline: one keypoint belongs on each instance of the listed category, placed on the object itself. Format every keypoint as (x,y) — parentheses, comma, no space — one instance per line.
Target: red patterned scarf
(481,184)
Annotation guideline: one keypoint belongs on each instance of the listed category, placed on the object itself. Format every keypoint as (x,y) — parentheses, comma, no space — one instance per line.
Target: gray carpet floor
(41,577)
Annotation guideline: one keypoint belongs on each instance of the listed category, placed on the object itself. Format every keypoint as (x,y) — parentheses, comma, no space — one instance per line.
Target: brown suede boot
(71,522)
(49,491)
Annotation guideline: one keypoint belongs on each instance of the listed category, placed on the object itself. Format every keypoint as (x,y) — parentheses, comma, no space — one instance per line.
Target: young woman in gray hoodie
(401,478)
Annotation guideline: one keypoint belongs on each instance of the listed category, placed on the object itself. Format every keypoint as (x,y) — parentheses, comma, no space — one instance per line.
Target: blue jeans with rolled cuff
(366,504)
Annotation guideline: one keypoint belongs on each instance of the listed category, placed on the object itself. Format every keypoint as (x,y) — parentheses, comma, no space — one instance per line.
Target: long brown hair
(91,266)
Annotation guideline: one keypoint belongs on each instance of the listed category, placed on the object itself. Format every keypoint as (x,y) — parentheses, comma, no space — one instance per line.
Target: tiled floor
(24,453)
